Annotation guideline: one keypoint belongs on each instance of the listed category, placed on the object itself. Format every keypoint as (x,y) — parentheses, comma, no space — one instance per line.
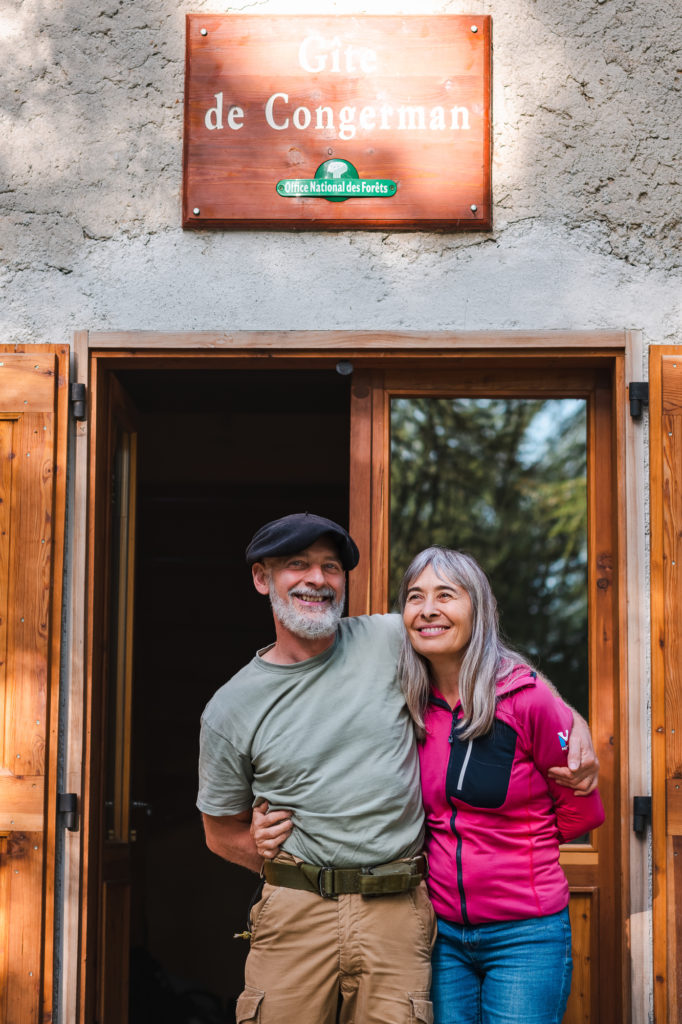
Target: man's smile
(311,599)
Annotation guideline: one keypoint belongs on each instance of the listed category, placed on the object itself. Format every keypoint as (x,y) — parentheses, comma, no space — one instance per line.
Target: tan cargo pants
(352,960)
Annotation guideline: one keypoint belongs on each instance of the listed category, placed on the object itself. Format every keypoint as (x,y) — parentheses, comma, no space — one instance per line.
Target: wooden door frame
(96,353)
(114,630)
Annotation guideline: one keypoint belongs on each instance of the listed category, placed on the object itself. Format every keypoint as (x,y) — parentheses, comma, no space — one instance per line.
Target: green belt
(398,876)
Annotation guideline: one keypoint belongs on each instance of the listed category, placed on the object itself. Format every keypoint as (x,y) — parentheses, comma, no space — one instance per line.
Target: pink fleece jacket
(494,818)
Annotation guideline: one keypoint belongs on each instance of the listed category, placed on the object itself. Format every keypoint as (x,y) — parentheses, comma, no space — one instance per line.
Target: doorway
(218,454)
(221,451)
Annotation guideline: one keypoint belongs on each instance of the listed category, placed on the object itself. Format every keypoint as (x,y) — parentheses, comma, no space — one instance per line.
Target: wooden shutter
(33,433)
(665,374)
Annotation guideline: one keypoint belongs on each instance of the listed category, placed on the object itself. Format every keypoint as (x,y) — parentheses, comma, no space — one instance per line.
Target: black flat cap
(294,533)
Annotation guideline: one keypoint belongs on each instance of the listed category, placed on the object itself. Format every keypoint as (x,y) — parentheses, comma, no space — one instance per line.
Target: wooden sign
(337,122)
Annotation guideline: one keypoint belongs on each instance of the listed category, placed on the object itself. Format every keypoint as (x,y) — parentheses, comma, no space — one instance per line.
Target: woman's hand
(269,829)
(582,773)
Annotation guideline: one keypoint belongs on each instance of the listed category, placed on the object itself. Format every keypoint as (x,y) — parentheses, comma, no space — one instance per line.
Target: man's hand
(582,773)
(269,829)
(230,837)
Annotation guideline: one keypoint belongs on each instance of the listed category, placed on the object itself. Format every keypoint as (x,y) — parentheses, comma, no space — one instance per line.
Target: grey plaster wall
(586,175)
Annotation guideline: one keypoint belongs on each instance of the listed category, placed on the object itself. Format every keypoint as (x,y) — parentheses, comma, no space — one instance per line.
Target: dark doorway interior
(221,453)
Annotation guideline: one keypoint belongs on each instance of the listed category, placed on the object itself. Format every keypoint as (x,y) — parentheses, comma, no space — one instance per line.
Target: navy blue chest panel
(479,770)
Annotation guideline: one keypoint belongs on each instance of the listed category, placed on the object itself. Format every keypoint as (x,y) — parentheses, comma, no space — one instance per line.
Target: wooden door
(592,866)
(665,375)
(33,437)
(117,831)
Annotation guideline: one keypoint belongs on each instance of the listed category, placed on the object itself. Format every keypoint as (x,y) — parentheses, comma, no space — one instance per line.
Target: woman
(489,731)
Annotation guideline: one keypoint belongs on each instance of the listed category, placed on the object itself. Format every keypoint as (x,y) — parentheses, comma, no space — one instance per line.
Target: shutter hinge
(641,814)
(638,393)
(78,400)
(67,811)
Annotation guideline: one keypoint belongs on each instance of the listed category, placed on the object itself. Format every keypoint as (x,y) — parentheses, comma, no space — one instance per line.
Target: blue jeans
(507,972)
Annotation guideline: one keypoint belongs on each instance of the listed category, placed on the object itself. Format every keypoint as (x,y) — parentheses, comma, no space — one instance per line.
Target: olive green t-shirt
(329,738)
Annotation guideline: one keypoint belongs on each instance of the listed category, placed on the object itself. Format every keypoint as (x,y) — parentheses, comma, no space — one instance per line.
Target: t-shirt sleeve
(225,775)
(549,724)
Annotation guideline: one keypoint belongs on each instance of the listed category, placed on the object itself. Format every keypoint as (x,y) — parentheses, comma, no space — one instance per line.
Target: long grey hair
(486,659)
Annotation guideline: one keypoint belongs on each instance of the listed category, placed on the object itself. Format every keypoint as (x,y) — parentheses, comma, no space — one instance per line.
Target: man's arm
(230,837)
(582,773)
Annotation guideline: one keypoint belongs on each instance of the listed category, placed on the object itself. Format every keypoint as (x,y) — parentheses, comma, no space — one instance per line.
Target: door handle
(140,805)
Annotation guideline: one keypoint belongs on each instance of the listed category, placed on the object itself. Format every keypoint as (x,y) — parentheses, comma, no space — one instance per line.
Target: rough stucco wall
(586,170)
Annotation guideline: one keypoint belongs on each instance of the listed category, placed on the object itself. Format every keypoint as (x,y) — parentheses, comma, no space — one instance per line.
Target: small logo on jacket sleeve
(563,739)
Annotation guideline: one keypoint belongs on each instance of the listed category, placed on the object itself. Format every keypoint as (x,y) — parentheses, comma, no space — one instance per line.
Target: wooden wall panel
(30,576)
(366,514)
(33,432)
(4,916)
(604,568)
(583,921)
(24,948)
(665,371)
(7,427)
(360,511)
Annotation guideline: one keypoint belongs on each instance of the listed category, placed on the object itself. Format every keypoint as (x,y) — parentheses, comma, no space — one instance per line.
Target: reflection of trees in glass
(504,479)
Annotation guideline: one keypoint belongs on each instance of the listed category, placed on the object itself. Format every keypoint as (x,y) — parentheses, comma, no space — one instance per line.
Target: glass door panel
(504,479)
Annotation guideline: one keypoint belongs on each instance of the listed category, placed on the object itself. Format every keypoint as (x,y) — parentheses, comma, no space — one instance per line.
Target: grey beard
(310,625)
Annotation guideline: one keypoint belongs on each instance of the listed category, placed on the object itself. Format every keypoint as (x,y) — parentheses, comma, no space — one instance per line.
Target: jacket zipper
(453,816)
(453,822)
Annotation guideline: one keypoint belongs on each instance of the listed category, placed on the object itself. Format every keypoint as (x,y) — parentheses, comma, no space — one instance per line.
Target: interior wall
(220,454)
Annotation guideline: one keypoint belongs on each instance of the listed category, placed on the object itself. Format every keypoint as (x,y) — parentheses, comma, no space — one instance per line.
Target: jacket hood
(519,677)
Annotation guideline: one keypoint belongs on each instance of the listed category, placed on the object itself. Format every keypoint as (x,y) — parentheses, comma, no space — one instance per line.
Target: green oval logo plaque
(336,181)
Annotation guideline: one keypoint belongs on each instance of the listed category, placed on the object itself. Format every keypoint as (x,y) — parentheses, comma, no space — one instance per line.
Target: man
(316,724)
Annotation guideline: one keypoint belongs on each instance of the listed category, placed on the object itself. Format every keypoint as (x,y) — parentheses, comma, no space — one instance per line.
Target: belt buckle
(321,886)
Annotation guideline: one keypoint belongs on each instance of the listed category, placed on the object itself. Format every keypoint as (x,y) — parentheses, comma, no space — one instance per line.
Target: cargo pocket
(248,1006)
(421,1008)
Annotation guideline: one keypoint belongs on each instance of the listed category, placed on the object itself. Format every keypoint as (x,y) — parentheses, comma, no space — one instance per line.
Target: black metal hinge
(67,811)
(641,814)
(638,393)
(78,400)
